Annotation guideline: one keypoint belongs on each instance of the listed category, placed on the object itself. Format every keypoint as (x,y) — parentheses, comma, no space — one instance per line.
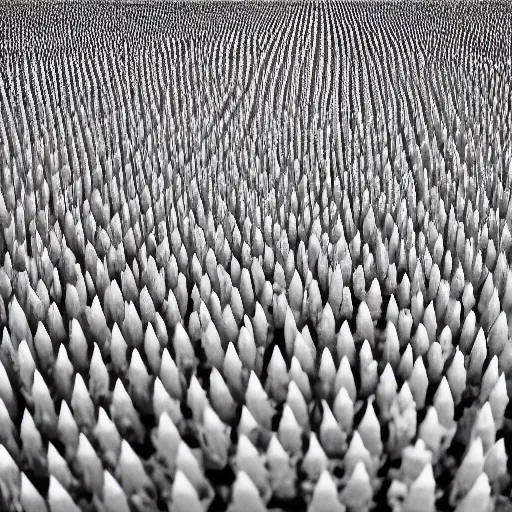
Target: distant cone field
(255,256)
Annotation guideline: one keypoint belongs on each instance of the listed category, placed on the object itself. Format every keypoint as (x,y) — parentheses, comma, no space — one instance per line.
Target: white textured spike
(196,399)
(277,380)
(421,497)
(489,379)
(90,466)
(139,380)
(443,402)
(258,402)
(67,428)
(325,495)
(478,497)
(386,390)
(45,415)
(221,398)
(289,432)
(345,344)
(471,467)
(78,346)
(132,475)
(358,492)
(58,467)
(81,403)
(152,349)
(169,375)
(327,372)
(495,464)
(99,379)
(123,412)
(303,354)
(498,399)
(357,452)
(27,364)
(315,460)
(301,379)
(211,343)
(392,346)
(9,474)
(186,462)
(184,495)
(345,379)
(31,438)
(343,409)
(364,324)
(414,459)
(249,460)
(167,440)
(162,402)
(132,326)
(456,375)
(118,348)
(247,348)
(98,323)
(7,394)
(30,499)
(107,436)
(44,347)
(260,326)
(418,383)
(484,427)
(215,438)
(298,405)
(477,357)
(290,331)
(369,430)
(247,422)
(114,498)
(433,433)
(245,495)
(18,326)
(58,498)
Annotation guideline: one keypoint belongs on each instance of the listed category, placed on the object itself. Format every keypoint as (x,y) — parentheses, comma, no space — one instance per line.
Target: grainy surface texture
(255,256)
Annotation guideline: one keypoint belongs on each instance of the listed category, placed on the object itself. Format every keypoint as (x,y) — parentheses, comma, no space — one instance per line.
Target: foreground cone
(325,495)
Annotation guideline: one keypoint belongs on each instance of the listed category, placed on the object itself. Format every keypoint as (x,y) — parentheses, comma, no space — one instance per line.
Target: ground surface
(295,138)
